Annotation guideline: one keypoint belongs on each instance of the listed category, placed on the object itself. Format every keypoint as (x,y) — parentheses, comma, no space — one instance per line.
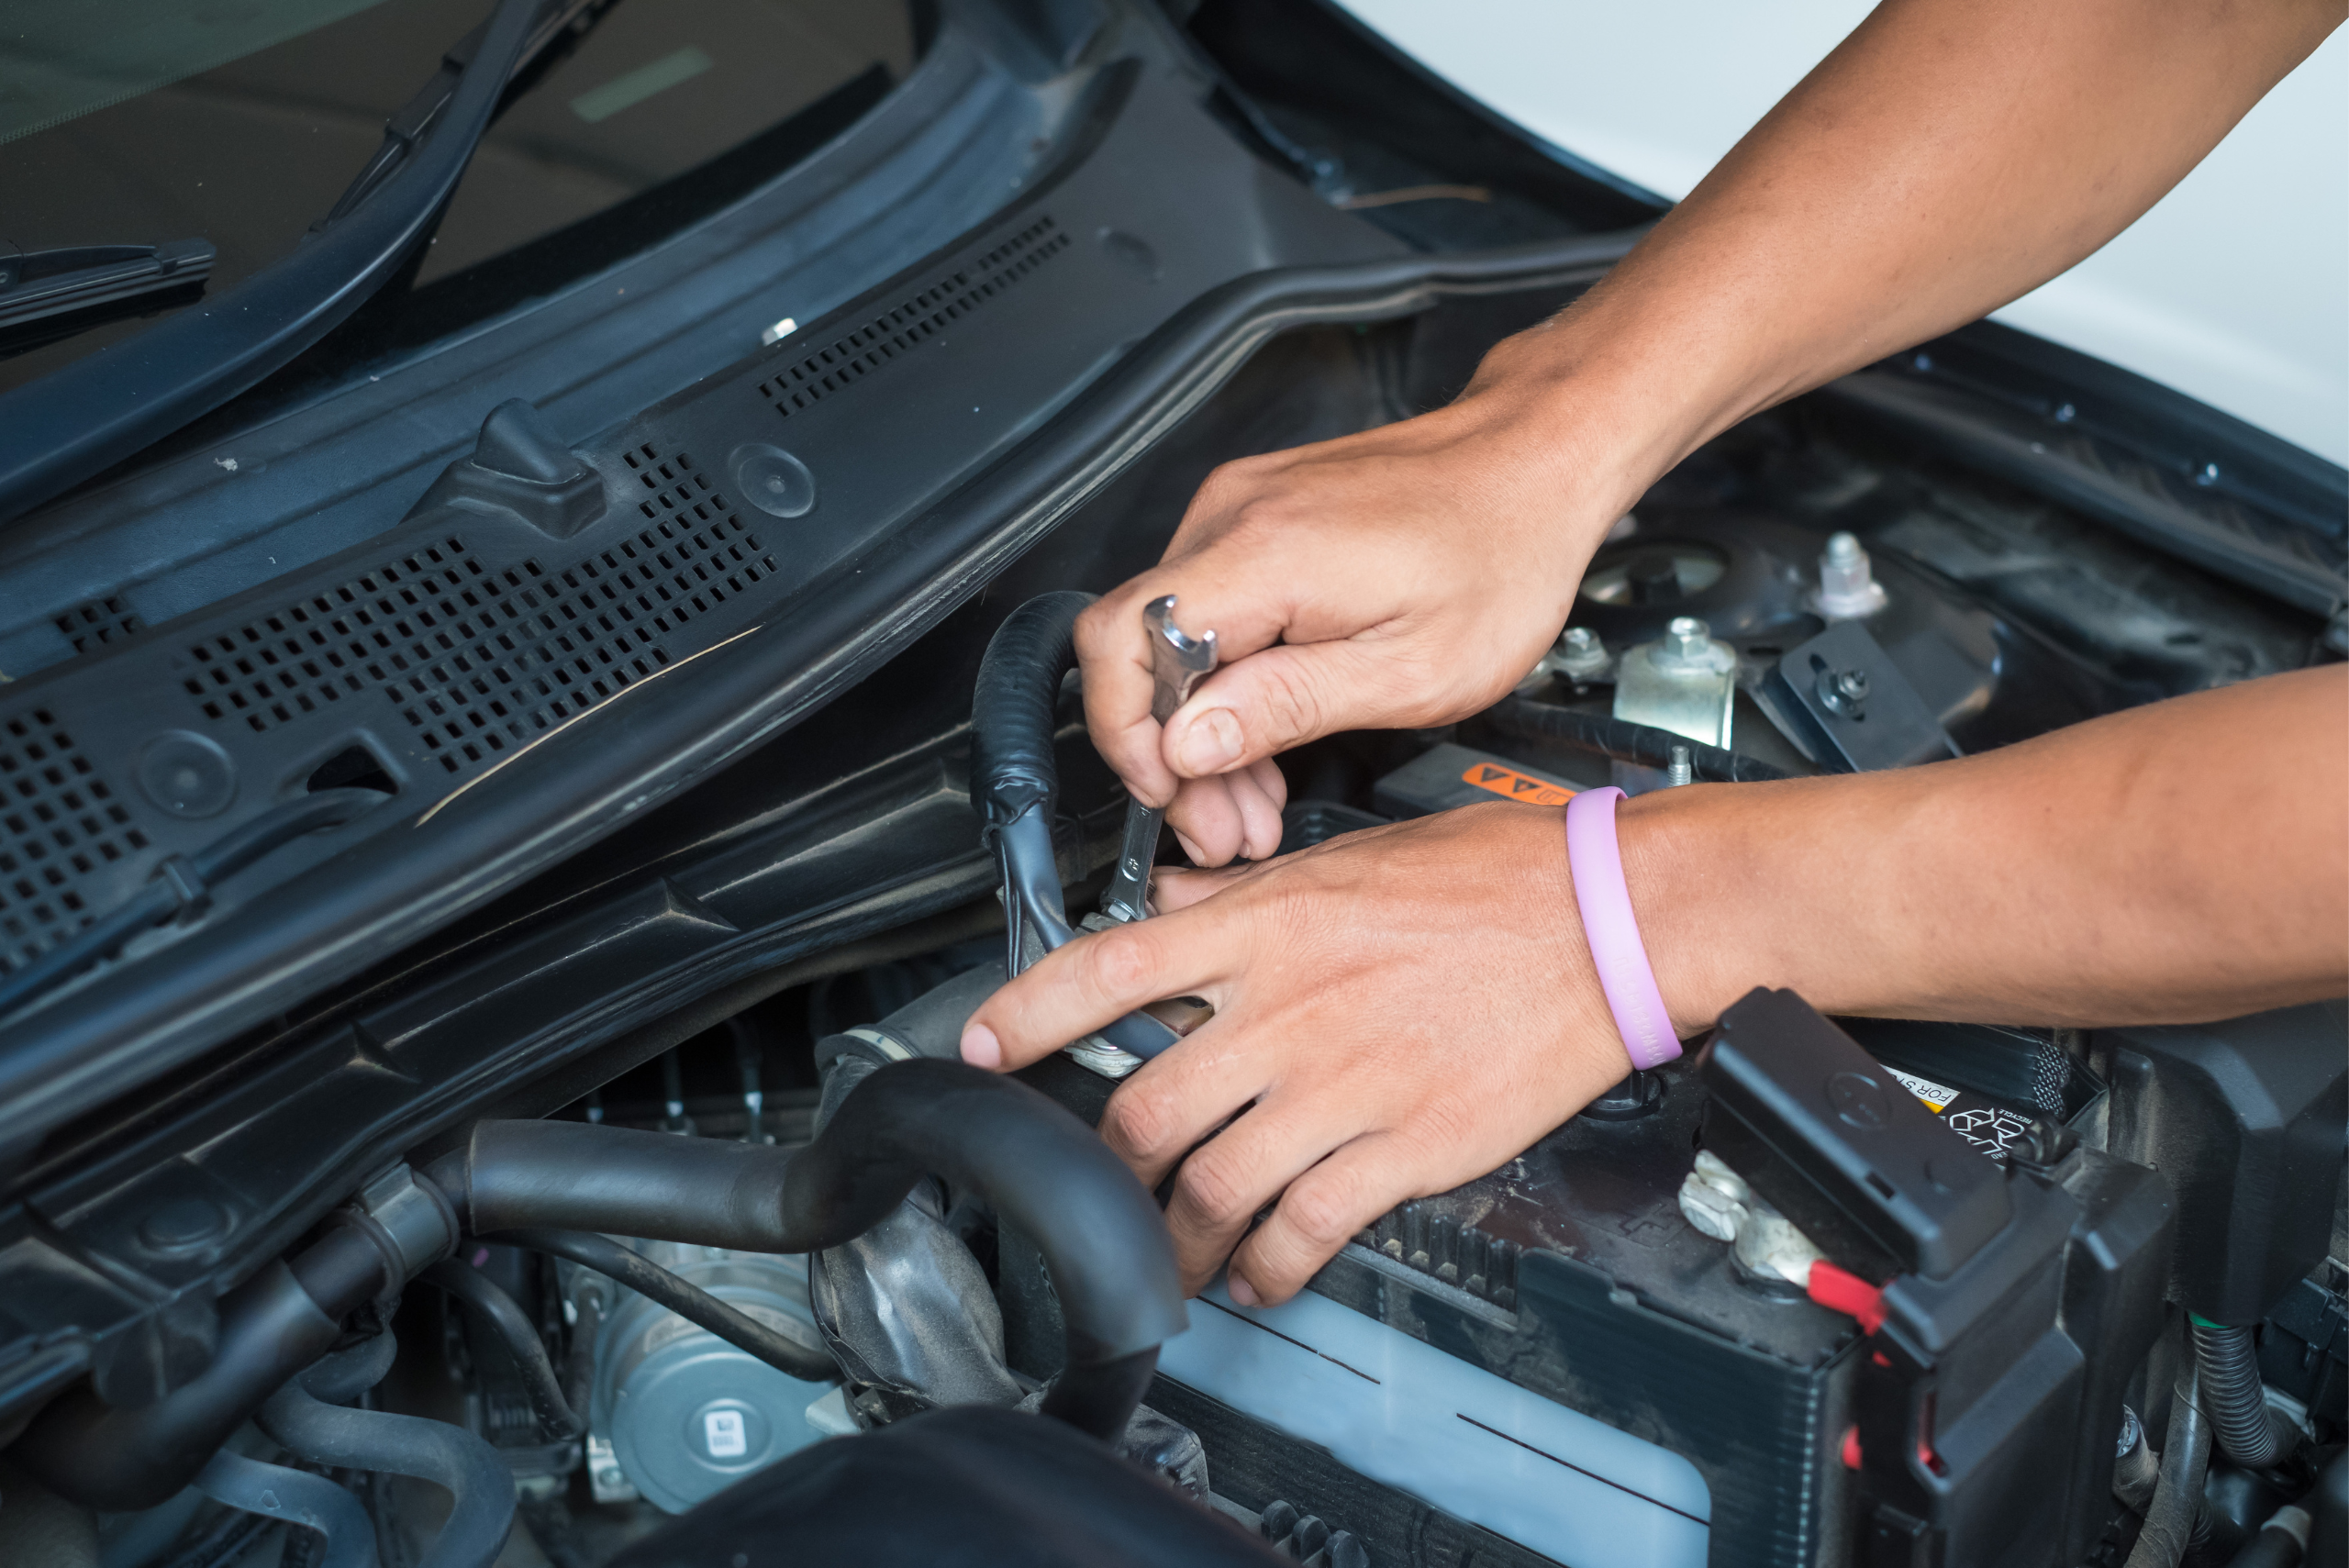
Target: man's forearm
(1948,157)
(2187,860)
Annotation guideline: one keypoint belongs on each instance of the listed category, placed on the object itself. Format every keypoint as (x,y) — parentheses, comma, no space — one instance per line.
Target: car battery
(1572,1273)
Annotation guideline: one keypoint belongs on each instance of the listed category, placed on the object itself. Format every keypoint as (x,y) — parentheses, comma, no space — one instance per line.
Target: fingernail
(1209,743)
(1240,1290)
(980,1048)
(1189,849)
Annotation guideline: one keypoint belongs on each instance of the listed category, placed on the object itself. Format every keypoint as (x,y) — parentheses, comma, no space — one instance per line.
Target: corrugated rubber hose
(2246,1430)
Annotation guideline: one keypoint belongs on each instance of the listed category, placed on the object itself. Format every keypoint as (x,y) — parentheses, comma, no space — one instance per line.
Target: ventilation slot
(827,370)
(98,623)
(571,639)
(373,631)
(59,825)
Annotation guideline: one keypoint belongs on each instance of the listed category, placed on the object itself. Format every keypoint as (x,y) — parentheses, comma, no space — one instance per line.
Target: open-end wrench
(1177,665)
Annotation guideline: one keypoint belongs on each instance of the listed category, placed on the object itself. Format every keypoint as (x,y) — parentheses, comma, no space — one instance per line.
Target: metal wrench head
(1177,663)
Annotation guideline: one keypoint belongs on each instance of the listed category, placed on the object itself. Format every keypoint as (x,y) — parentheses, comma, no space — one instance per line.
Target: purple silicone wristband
(1616,950)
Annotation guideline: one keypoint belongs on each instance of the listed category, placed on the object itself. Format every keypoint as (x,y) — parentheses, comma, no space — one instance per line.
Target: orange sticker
(1510,783)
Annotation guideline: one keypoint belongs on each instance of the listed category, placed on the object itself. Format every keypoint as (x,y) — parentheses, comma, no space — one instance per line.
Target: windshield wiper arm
(86,416)
(407,127)
(33,283)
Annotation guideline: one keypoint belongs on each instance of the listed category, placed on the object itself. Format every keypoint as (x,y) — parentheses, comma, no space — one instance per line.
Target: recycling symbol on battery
(1989,1126)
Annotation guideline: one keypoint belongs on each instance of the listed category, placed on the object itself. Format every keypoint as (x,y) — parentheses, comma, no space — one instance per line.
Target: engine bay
(1599,1352)
(524,1124)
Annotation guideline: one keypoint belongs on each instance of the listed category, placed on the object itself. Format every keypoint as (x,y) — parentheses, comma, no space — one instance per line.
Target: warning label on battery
(1986,1124)
(1511,784)
(1935,1096)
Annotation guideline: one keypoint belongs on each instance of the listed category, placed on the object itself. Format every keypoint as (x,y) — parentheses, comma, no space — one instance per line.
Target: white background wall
(2234,288)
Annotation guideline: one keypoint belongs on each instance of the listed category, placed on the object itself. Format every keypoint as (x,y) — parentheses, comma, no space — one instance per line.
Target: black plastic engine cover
(2245,1118)
(973,1487)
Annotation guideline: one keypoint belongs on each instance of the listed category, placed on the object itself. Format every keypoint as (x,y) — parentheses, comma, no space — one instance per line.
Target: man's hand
(1396,1012)
(1401,578)
(1948,157)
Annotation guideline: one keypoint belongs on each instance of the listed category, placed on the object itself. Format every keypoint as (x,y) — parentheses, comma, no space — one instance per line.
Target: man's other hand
(1398,1011)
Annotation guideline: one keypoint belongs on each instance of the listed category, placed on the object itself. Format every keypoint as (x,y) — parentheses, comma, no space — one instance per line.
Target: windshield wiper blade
(86,416)
(34,284)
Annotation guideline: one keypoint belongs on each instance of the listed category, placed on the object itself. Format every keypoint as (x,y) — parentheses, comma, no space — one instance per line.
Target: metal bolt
(1682,767)
(1688,637)
(1581,656)
(1847,585)
(1843,691)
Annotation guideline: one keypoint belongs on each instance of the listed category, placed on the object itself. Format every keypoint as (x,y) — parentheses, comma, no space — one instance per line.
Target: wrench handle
(1127,896)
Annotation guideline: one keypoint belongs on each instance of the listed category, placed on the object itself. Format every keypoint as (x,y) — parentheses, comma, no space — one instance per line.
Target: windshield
(239,122)
(61,59)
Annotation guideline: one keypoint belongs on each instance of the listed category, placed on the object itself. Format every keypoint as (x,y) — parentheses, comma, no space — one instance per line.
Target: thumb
(1283,696)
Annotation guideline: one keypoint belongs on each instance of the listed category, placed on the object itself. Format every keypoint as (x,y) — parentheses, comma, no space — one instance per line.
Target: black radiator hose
(1642,744)
(2244,1428)
(479,1483)
(272,1326)
(1104,1242)
(1015,783)
(1016,705)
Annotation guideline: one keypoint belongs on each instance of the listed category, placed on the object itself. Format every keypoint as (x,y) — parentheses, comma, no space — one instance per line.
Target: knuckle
(1092,626)
(1118,964)
(1324,1213)
(1236,473)
(1139,1122)
(1209,1189)
(1261,516)
(1293,697)
(1442,1122)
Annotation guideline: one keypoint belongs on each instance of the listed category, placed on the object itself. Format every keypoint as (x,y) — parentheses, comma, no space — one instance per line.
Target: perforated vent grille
(572,638)
(370,631)
(59,823)
(477,660)
(826,370)
(98,623)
